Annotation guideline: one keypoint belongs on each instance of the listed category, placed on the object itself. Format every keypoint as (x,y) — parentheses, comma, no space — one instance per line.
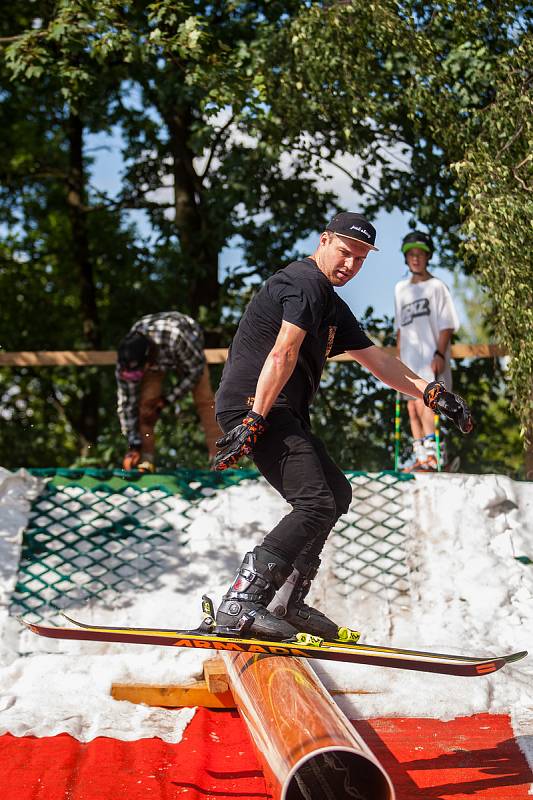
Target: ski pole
(436,423)
(437,441)
(397,432)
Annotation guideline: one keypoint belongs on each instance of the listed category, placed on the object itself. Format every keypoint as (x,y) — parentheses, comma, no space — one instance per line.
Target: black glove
(450,405)
(239,441)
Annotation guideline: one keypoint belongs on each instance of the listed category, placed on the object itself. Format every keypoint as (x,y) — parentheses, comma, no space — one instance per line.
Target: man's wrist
(439,354)
(255,416)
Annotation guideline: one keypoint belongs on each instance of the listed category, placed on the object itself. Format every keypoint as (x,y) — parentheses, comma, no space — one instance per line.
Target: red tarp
(467,757)
(426,759)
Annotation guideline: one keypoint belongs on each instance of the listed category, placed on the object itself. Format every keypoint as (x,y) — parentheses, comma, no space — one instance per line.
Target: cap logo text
(362,230)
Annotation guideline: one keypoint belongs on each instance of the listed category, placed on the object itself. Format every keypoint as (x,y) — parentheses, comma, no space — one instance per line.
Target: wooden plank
(84,358)
(216,355)
(458,351)
(216,676)
(478,351)
(212,692)
(59,358)
(196,694)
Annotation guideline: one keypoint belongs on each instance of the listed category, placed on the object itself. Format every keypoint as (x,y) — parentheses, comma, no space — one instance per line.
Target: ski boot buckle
(348,635)
(309,640)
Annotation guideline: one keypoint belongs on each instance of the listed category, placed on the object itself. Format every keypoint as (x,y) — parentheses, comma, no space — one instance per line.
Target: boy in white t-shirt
(425,322)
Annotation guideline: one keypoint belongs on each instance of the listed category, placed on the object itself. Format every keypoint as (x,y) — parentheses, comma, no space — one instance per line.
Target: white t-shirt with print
(422,310)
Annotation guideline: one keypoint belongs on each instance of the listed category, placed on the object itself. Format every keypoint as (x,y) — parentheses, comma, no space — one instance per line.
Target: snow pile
(77,698)
(50,694)
(469,594)
(16,493)
(467,597)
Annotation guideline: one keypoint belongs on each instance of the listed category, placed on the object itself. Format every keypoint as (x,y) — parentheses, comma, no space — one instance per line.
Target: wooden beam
(216,676)
(212,692)
(172,696)
(216,355)
(58,358)
(458,351)
(478,351)
(84,358)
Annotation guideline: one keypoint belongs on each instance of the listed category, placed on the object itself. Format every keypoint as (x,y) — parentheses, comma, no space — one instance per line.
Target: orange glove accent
(131,460)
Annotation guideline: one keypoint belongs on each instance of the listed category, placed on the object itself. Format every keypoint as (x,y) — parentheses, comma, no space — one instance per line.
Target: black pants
(295,462)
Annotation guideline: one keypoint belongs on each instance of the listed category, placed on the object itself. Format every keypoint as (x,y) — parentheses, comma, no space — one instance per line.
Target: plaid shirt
(180,348)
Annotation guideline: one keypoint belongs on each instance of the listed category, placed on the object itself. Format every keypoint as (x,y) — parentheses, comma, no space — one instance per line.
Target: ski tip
(71,620)
(31,626)
(516,656)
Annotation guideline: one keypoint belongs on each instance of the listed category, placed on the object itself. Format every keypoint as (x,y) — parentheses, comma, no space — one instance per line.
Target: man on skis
(273,371)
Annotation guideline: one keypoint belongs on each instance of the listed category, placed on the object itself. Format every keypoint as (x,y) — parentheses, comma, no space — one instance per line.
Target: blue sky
(373,286)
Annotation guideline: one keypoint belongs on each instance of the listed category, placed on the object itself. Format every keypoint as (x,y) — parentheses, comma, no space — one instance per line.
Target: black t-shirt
(301,294)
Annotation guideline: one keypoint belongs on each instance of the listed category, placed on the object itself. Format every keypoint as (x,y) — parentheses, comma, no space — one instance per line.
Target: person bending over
(157,344)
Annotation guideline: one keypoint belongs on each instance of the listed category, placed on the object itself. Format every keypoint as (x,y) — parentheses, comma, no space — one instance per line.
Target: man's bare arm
(390,370)
(437,363)
(278,367)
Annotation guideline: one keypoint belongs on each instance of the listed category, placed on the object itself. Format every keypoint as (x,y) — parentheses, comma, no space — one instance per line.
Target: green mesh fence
(91,532)
(368,542)
(94,532)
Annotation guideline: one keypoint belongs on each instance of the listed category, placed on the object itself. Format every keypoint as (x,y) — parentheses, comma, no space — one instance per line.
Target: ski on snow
(304,645)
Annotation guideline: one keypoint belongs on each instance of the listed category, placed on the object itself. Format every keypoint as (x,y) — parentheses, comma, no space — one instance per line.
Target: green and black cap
(417,239)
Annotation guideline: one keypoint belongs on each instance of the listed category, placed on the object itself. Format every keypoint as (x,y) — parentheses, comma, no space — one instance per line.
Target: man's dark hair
(133,351)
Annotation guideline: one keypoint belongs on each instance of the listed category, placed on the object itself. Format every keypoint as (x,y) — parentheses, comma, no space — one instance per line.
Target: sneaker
(414,467)
(429,465)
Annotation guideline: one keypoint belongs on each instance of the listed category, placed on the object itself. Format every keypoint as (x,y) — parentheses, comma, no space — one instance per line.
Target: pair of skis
(205,637)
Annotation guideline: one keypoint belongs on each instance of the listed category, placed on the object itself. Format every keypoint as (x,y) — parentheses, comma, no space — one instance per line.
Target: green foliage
(448,87)
(230,115)
(354,415)
(495,445)
(495,174)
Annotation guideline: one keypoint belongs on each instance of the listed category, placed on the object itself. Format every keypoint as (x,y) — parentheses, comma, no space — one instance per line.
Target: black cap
(417,239)
(353,226)
(133,351)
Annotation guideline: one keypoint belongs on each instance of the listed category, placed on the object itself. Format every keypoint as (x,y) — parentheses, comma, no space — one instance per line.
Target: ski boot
(243,610)
(288,604)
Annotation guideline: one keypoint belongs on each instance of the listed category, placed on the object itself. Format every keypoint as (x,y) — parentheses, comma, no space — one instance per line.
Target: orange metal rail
(307,747)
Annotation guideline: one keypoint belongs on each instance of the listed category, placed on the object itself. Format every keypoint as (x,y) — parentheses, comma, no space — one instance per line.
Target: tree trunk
(87,423)
(197,238)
